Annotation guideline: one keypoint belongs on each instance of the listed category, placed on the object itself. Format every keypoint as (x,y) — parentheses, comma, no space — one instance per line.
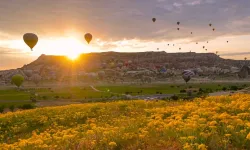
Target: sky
(123,26)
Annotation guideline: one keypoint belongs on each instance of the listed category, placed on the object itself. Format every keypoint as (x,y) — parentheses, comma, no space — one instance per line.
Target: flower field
(211,123)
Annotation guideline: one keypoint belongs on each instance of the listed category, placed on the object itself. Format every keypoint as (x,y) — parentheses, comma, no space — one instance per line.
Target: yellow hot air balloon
(30,39)
(88,37)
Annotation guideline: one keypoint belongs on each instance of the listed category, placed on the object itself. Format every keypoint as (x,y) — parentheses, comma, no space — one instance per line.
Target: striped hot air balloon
(187,75)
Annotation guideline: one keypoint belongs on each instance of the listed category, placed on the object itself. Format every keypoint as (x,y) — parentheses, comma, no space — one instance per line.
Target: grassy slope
(214,123)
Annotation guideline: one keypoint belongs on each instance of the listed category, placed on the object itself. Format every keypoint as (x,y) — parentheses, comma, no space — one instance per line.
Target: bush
(183,91)
(224,88)
(2,108)
(12,107)
(174,97)
(57,97)
(201,90)
(234,88)
(190,87)
(27,106)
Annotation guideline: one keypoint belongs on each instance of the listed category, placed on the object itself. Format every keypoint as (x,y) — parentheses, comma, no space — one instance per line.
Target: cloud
(118,19)
(235,54)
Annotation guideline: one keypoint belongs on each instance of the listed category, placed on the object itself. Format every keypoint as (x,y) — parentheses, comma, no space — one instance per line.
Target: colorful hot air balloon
(30,39)
(153,19)
(88,37)
(187,75)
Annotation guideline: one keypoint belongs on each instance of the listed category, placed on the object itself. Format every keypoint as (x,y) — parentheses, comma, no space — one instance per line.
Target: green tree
(17,80)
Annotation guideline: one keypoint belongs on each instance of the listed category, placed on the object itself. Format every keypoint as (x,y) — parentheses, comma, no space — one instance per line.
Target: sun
(73,56)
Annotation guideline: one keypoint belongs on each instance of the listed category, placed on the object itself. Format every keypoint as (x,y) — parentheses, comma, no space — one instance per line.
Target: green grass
(81,93)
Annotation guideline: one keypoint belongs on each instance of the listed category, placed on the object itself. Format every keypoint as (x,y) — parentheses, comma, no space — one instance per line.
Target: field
(212,123)
(86,92)
(54,95)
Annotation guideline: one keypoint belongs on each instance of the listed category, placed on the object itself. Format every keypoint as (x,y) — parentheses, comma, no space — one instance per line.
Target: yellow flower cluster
(214,122)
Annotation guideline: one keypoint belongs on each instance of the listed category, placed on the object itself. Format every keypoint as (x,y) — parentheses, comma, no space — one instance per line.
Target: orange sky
(123,26)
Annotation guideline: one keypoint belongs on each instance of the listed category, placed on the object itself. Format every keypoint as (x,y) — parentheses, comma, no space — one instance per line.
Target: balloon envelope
(88,37)
(30,39)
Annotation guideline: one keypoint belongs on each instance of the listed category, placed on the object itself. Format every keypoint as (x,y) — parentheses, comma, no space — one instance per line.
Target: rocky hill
(120,64)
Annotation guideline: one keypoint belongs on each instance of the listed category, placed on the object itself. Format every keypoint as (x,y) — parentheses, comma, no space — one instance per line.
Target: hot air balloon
(206,49)
(153,19)
(173,44)
(196,42)
(203,47)
(187,74)
(178,28)
(191,32)
(210,24)
(30,39)
(88,37)
(157,48)
(227,41)
(207,41)
(168,44)
(213,29)
(178,23)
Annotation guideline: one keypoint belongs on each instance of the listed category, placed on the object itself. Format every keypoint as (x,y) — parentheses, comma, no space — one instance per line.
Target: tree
(17,80)
(36,78)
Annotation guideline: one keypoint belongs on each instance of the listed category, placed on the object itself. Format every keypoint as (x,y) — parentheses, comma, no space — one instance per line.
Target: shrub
(27,106)
(2,108)
(12,107)
(224,88)
(182,91)
(174,97)
(234,88)
(57,97)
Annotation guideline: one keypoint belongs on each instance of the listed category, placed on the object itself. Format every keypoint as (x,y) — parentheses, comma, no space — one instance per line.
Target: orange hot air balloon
(30,39)
(88,37)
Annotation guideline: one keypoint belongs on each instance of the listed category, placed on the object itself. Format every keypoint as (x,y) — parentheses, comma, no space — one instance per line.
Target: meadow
(86,92)
(220,122)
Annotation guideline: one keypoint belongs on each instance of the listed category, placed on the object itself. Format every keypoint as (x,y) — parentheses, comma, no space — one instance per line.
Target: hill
(122,65)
